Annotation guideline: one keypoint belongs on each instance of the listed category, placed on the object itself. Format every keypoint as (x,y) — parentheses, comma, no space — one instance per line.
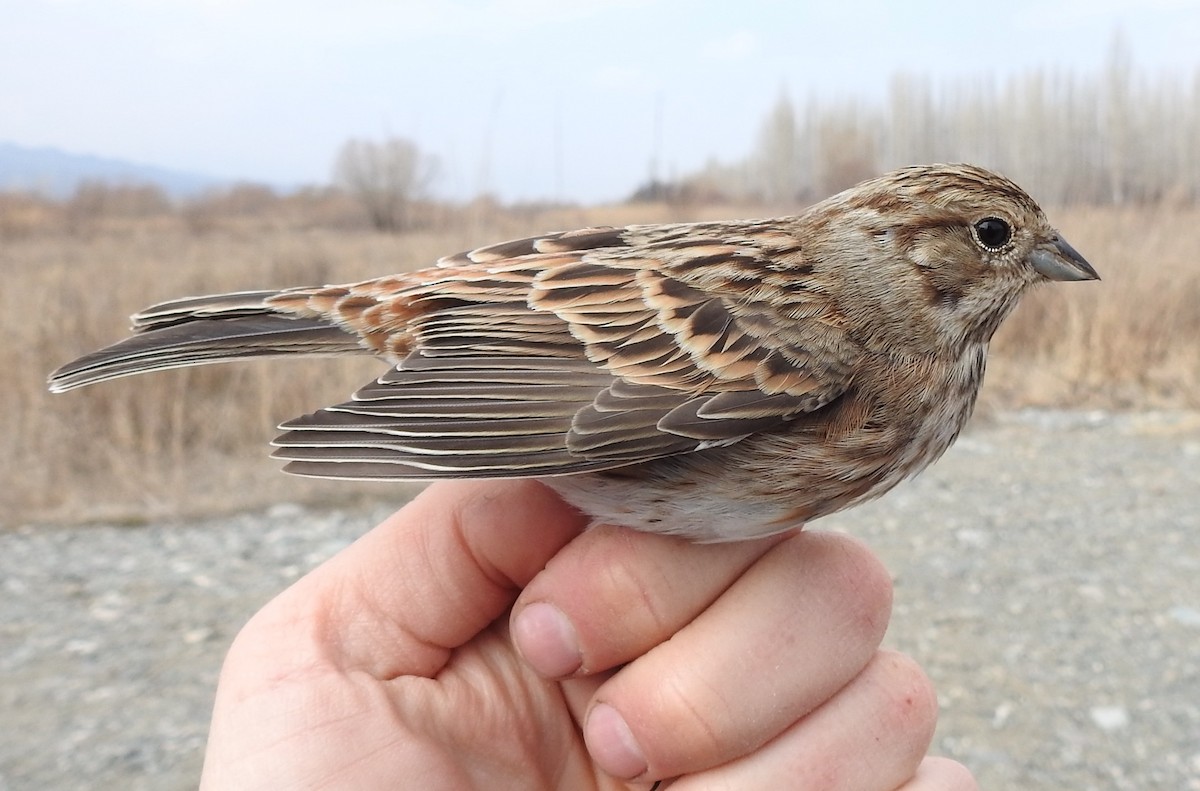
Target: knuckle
(864,586)
(694,736)
(948,775)
(622,585)
(873,591)
(910,705)
(604,578)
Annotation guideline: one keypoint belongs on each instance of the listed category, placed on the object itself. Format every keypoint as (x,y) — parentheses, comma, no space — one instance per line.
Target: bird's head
(960,241)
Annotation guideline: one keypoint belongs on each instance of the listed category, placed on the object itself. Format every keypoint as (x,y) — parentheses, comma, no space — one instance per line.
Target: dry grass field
(192,441)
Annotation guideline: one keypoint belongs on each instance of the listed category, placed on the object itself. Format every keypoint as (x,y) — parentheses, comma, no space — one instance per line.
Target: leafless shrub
(96,201)
(387,178)
(23,214)
(214,208)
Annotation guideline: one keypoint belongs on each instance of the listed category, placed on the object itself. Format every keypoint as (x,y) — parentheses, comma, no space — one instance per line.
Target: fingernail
(547,640)
(611,743)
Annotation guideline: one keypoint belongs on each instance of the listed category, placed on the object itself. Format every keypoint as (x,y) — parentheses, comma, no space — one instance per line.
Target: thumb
(425,581)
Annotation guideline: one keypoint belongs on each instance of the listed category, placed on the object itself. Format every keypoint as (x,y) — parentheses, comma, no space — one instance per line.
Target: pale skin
(482,638)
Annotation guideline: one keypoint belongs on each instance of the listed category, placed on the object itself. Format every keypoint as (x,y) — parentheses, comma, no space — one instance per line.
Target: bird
(718,381)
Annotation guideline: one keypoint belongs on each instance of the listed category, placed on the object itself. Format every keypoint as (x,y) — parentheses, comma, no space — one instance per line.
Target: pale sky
(528,99)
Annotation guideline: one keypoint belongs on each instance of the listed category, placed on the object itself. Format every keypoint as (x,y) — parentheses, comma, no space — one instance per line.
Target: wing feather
(577,352)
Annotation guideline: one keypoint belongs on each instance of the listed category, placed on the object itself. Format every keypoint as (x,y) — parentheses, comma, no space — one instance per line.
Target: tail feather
(178,311)
(205,330)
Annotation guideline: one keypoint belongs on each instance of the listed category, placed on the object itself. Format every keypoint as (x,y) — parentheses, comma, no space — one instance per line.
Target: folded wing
(575,353)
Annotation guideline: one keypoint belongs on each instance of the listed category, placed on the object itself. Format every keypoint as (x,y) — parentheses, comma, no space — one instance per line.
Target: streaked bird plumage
(717,380)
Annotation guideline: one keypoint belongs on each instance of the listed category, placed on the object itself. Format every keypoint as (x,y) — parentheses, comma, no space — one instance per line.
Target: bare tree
(778,158)
(386,178)
(1108,137)
(847,139)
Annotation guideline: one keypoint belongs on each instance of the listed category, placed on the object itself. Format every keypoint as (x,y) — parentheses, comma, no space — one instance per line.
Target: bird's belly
(772,482)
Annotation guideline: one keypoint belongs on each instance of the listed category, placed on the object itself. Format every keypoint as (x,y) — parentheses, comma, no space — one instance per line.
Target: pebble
(1047,572)
(1110,718)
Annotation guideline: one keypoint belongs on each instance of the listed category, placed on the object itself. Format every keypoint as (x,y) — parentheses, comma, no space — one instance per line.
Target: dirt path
(1047,577)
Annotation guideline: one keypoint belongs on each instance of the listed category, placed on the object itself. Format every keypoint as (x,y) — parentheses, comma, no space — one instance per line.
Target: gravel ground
(1047,577)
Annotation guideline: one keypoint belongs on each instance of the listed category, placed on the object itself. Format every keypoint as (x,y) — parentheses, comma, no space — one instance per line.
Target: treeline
(1115,137)
(1110,138)
(381,185)
(100,205)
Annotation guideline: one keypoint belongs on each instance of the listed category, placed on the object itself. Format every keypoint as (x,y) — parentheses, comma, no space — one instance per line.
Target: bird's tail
(202,330)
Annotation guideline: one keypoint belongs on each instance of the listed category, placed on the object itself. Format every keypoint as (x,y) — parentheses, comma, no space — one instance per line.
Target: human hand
(743,665)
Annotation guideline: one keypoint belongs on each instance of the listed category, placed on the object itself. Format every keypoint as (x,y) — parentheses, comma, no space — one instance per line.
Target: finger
(615,593)
(941,774)
(304,671)
(871,736)
(425,581)
(796,627)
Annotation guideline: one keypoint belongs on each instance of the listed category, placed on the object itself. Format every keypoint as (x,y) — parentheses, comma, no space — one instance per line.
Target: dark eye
(992,232)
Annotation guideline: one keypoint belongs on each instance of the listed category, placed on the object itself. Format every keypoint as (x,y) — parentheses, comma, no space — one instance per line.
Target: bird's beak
(1058,260)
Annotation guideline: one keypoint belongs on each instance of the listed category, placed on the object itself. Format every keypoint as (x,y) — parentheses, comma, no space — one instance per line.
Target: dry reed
(193,441)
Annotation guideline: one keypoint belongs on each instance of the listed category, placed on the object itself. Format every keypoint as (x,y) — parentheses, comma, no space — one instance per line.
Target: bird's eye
(993,233)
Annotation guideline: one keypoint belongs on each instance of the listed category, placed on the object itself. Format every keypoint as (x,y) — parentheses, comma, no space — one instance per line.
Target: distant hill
(56,173)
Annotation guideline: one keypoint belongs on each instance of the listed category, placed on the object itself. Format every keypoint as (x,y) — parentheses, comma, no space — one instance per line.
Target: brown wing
(576,352)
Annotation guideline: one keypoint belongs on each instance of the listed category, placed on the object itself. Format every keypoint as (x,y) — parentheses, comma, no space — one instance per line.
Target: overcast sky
(526,98)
